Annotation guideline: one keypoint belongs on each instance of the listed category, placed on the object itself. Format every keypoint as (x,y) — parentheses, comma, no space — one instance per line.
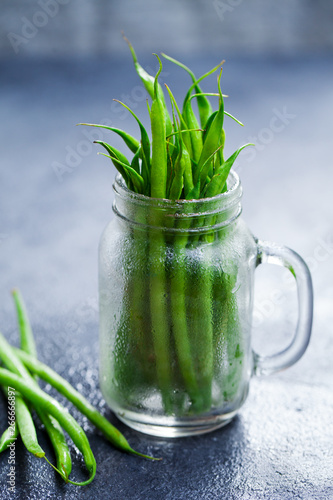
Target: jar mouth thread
(190,216)
(189,230)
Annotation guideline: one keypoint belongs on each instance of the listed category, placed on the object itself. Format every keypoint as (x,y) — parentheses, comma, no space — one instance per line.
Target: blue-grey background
(73,28)
(62,62)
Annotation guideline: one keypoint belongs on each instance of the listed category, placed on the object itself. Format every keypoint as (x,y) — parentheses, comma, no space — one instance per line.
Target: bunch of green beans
(183,160)
(185,157)
(20,376)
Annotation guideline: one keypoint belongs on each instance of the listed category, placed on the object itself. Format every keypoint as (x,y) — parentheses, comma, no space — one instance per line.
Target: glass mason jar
(176,297)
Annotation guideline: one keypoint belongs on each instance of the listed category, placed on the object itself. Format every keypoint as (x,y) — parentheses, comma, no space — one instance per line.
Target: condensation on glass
(176,286)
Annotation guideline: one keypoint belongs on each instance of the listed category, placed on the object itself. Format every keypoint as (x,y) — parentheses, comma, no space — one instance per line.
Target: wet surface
(55,199)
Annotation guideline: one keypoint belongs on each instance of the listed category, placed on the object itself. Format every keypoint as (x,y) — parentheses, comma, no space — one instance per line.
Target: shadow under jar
(176,283)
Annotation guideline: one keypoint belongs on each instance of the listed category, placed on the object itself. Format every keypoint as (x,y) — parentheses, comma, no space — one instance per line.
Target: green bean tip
(65,475)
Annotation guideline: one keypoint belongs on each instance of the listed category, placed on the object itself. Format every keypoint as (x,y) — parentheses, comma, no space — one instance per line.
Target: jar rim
(229,197)
(201,215)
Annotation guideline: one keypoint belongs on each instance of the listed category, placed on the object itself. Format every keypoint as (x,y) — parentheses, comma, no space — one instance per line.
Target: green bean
(172,150)
(194,193)
(208,125)
(203,329)
(218,181)
(209,122)
(159,314)
(148,107)
(141,356)
(24,420)
(9,436)
(65,388)
(186,136)
(211,141)
(130,141)
(233,343)
(114,155)
(135,164)
(202,314)
(204,105)
(27,428)
(176,126)
(235,352)
(23,416)
(12,359)
(28,345)
(195,134)
(145,149)
(220,156)
(196,138)
(174,134)
(195,84)
(183,339)
(27,340)
(26,336)
(157,253)
(40,399)
(234,118)
(187,168)
(158,173)
(58,441)
(177,182)
(149,84)
(114,152)
(136,180)
(182,172)
(177,280)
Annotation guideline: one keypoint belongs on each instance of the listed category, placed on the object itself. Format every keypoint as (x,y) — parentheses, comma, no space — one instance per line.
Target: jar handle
(273,254)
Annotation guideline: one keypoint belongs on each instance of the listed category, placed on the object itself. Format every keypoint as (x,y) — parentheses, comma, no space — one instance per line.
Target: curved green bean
(145,148)
(128,139)
(23,416)
(51,425)
(204,105)
(27,427)
(53,378)
(195,133)
(149,84)
(40,399)
(217,183)
(58,441)
(211,142)
(24,420)
(8,436)
(158,174)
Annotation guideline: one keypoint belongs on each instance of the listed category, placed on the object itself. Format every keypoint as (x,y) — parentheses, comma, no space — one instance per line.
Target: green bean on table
(8,436)
(65,388)
(27,340)
(24,424)
(52,427)
(37,397)
(53,415)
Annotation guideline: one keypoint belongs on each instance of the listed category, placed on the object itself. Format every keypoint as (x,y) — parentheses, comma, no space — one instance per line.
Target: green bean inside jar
(176,270)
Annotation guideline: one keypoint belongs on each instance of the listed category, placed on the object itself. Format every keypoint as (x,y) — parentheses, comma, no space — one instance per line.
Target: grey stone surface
(280,445)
